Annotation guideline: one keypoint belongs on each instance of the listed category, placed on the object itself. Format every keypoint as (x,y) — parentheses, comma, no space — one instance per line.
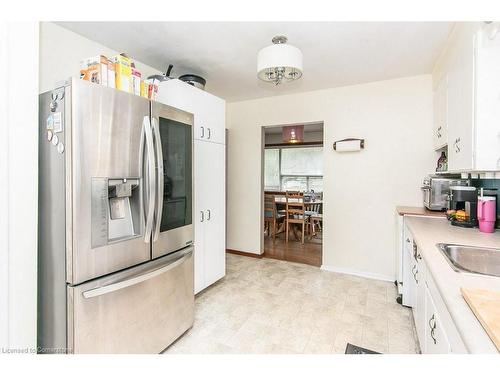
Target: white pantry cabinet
(210,204)
(469,66)
(209,212)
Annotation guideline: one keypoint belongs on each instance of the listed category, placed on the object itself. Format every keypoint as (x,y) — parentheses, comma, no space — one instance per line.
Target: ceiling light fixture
(279,62)
(293,134)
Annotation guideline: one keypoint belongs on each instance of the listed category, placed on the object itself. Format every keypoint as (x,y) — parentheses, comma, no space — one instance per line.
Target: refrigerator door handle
(151,178)
(96,292)
(160,181)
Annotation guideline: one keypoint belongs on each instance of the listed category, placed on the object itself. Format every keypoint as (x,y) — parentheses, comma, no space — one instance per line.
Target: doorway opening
(292,192)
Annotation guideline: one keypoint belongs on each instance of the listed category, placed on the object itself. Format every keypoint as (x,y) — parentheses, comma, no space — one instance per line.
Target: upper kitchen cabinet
(468,85)
(441,114)
(487,100)
(209,110)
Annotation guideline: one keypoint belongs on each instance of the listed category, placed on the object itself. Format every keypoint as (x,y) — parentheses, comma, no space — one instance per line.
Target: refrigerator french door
(100,224)
(173,139)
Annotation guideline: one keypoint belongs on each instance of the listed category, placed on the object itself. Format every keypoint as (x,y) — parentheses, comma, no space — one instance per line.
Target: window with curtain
(293,168)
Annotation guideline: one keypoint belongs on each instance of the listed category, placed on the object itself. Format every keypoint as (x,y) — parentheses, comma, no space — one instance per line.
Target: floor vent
(353,349)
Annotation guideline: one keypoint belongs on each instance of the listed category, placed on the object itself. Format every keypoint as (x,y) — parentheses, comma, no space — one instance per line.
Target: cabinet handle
(456,144)
(408,240)
(202,216)
(414,273)
(419,256)
(432,325)
(209,133)
(202,132)
(208,215)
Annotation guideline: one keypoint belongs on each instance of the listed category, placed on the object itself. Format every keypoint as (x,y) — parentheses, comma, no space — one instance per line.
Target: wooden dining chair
(271,215)
(295,211)
(315,220)
(315,216)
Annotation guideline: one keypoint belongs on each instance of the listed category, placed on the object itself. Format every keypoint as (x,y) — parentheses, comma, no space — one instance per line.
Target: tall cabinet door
(215,213)
(211,118)
(441,114)
(461,104)
(201,176)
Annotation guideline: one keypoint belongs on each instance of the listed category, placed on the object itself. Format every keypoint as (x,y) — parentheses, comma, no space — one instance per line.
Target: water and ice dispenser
(116,210)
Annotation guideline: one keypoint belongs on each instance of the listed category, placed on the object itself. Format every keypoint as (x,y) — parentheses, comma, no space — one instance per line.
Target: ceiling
(224,53)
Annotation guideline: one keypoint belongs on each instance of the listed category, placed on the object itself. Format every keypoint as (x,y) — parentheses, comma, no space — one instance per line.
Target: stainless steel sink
(480,260)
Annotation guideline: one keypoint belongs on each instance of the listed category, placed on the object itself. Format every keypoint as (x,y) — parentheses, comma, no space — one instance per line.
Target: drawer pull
(136,279)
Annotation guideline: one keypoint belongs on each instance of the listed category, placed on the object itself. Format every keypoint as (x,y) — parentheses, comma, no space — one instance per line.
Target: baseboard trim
(367,275)
(243,253)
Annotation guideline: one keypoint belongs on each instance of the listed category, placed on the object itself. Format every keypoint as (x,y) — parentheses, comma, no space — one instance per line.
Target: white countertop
(427,232)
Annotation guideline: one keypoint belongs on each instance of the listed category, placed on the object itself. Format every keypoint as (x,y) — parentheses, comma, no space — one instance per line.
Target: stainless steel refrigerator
(115,258)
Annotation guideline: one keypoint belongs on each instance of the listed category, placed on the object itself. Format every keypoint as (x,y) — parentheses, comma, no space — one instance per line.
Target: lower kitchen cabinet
(419,307)
(436,341)
(434,326)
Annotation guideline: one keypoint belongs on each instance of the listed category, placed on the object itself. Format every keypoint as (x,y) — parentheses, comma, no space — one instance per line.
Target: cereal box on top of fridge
(91,74)
(111,74)
(144,89)
(123,72)
(136,81)
(97,67)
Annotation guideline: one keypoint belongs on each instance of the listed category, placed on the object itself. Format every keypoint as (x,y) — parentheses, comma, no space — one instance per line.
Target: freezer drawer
(139,310)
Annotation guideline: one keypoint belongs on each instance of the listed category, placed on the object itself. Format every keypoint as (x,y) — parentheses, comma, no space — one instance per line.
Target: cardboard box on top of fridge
(136,81)
(91,74)
(144,89)
(152,91)
(111,74)
(95,69)
(123,72)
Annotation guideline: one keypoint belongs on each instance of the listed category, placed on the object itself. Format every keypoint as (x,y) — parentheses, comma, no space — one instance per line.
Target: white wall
(62,50)
(362,189)
(18,190)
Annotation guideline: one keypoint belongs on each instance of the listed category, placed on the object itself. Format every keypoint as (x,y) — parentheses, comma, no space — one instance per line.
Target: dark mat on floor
(353,349)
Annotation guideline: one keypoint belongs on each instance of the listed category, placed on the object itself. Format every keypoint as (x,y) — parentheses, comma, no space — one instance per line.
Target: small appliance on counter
(463,206)
(486,212)
(436,190)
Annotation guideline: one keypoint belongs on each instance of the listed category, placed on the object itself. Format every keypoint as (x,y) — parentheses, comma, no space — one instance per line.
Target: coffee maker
(463,199)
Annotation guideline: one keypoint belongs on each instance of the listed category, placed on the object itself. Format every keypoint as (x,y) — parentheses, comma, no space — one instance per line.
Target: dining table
(281,200)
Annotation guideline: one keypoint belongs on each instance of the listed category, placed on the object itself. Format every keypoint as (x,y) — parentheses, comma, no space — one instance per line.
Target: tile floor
(273,306)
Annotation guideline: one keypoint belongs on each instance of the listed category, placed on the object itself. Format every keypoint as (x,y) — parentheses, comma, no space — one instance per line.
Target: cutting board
(486,306)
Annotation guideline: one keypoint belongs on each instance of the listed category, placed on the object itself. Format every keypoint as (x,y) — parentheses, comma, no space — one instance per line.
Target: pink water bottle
(486,213)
